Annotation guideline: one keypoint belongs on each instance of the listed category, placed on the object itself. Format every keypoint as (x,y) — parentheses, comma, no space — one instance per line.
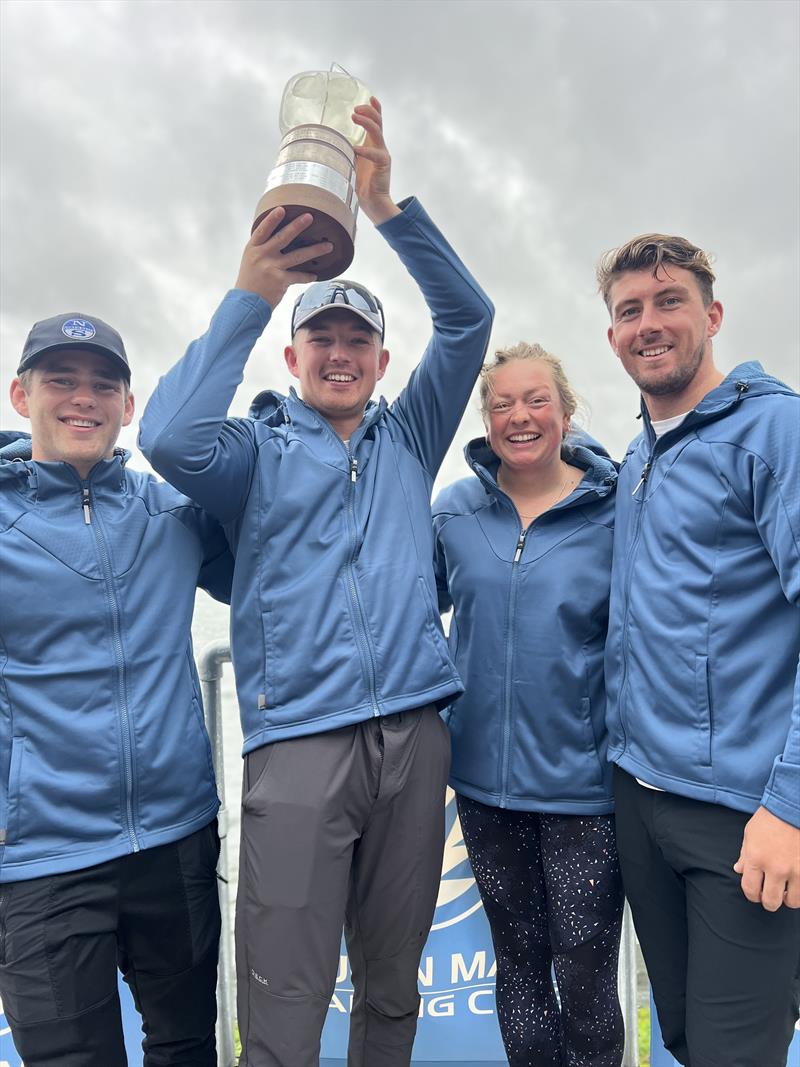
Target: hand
(769,861)
(373,165)
(265,268)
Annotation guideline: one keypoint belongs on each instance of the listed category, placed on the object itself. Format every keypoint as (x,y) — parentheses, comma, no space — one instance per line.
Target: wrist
(380,209)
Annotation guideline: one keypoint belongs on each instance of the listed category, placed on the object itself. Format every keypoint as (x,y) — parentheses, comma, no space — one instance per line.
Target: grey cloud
(136,139)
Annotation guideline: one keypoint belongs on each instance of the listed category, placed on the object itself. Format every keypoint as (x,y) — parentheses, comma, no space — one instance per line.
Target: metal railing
(210,664)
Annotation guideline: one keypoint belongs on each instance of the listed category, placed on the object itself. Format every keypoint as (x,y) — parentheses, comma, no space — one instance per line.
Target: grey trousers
(339,827)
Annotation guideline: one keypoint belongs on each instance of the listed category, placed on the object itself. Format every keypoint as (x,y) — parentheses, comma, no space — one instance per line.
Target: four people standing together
(342,667)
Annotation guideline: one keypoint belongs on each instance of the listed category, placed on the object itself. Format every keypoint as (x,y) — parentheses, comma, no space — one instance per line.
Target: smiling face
(661,330)
(525,419)
(77,403)
(337,359)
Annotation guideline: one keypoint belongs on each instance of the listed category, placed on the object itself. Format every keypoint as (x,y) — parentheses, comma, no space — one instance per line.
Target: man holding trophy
(339,656)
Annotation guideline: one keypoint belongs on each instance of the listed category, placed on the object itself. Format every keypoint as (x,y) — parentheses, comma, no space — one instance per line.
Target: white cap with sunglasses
(338,293)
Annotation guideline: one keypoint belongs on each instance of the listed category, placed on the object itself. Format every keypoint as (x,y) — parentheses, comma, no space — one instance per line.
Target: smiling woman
(527,404)
(523,557)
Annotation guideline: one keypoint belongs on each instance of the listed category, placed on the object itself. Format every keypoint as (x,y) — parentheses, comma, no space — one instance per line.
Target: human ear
(19,398)
(613,341)
(383,362)
(714,313)
(127,414)
(290,355)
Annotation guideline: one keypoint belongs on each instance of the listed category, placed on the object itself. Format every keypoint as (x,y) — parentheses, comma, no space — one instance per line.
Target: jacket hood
(14,444)
(270,407)
(275,409)
(745,381)
(15,451)
(581,449)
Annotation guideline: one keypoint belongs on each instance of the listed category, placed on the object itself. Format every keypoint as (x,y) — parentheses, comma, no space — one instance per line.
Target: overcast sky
(137,138)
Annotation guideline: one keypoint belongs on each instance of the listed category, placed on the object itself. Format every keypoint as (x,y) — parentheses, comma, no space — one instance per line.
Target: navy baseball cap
(338,293)
(72,330)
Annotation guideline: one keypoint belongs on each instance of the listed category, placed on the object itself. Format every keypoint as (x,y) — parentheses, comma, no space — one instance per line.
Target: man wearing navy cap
(108,842)
(337,646)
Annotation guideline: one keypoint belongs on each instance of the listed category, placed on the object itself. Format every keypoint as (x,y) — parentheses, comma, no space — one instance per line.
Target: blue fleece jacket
(334,617)
(704,632)
(103,749)
(530,608)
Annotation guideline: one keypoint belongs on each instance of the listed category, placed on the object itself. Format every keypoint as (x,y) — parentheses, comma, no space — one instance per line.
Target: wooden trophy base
(333,221)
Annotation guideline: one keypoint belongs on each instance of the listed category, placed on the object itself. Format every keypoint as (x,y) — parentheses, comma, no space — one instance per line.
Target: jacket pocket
(595,767)
(197,714)
(13,813)
(269,695)
(703,710)
(433,624)
(256,768)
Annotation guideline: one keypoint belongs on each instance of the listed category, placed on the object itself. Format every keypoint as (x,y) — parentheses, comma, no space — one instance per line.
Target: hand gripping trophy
(315,168)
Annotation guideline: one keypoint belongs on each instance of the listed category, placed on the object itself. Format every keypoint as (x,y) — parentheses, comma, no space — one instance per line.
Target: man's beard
(678,379)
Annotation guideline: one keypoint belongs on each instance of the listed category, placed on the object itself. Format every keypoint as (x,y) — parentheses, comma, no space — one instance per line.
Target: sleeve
(184,432)
(430,407)
(776,509)
(216,571)
(782,792)
(774,478)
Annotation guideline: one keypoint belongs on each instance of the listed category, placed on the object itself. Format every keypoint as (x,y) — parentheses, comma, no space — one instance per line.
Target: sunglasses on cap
(340,292)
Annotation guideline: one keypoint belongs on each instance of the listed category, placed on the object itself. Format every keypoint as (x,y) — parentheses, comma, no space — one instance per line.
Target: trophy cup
(315,168)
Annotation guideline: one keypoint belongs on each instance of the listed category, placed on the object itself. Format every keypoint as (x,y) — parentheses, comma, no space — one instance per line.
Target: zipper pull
(353,469)
(643,479)
(87,515)
(520,546)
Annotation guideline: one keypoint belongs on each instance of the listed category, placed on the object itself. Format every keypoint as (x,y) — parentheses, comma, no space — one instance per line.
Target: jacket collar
(745,380)
(49,480)
(281,411)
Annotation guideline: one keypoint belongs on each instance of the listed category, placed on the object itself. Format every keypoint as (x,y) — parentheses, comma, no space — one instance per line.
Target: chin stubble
(677,380)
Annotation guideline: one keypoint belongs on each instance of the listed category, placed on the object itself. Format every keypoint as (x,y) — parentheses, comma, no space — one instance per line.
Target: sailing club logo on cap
(80,329)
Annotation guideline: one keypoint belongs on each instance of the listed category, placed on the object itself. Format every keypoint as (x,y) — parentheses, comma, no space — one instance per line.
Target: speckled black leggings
(552,891)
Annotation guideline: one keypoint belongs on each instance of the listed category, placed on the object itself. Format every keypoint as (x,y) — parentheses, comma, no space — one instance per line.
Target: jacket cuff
(257,303)
(782,792)
(410,210)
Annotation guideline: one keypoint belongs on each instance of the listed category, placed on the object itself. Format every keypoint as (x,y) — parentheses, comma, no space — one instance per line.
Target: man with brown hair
(701,666)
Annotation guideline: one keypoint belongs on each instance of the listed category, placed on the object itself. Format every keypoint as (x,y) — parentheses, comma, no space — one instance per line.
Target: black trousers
(725,972)
(551,888)
(153,914)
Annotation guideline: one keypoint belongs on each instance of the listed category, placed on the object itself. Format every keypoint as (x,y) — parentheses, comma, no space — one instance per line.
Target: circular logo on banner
(458,895)
(80,329)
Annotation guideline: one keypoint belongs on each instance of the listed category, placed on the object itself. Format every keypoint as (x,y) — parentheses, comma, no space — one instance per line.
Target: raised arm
(184,431)
(430,407)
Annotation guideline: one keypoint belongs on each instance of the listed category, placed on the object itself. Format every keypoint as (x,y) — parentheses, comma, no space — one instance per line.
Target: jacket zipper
(362,635)
(643,479)
(116,636)
(507,695)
